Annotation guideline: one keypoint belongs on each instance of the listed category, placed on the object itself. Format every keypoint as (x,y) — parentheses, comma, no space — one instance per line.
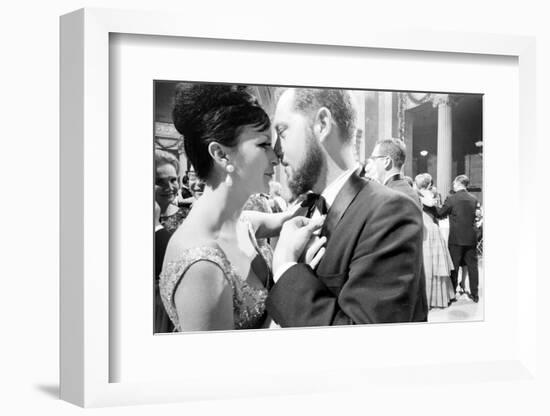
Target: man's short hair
(395,149)
(463,180)
(338,101)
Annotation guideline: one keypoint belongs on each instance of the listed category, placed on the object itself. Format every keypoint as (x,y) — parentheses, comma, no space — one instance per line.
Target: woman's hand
(427,198)
(267,225)
(291,211)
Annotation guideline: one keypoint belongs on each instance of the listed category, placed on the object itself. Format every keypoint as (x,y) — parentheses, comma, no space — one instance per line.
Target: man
(461,208)
(386,164)
(370,272)
(387,160)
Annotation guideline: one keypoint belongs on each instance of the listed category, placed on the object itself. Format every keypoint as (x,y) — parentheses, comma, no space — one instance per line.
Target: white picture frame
(85,355)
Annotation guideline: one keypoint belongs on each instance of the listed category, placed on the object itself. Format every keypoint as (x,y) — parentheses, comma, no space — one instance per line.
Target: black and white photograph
(297,206)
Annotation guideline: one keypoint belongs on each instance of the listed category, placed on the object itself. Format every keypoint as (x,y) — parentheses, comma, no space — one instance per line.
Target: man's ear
(388,163)
(218,153)
(322,124)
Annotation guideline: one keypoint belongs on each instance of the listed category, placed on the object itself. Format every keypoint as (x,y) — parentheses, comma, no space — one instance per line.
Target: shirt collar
(335,186)
(393,177)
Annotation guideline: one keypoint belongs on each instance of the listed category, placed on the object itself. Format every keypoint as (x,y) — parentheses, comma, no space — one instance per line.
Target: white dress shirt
(329,194)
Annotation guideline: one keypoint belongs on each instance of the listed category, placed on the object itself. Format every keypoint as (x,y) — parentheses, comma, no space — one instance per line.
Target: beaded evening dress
(248,302)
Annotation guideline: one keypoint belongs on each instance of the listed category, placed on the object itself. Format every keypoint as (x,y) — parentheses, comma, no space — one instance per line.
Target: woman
(437,260)
(166,191)
(214,277)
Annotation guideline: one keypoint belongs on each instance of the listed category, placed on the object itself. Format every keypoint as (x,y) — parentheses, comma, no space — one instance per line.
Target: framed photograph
(405,141)
(442,97)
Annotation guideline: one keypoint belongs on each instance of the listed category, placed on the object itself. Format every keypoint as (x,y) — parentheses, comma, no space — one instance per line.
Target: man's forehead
(285,111)
(285,102)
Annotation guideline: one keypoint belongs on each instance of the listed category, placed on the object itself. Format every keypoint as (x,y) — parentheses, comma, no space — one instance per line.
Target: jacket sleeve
(445,210)
(382,282)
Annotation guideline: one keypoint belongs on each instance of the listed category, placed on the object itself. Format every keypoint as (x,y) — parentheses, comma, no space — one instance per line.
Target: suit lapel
(341,203)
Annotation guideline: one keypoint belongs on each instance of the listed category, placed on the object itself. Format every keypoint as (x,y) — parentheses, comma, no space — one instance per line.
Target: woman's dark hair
(205,113)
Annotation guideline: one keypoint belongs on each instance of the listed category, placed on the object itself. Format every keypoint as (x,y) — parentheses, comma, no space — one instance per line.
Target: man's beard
(306,175)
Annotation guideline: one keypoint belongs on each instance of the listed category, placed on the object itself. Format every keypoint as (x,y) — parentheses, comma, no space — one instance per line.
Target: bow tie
(314,201)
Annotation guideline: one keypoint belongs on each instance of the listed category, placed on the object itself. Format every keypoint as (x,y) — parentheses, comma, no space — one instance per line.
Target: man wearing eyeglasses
(385,165)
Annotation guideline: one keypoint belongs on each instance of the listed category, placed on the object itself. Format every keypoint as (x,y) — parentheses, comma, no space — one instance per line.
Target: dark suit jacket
(461,210)
(399,184)
(371,270)
(162,322)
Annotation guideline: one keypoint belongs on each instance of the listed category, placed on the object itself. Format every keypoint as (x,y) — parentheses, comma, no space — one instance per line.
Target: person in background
(278,202)
(437,260)
(185,197)
(166,190)
(461,209)
(162,321)
(197,188)
(387,160)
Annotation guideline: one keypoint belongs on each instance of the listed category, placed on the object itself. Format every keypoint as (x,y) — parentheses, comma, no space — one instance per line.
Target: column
(359,105)
(384,115)
(444,143)
(409,125)
(370,136)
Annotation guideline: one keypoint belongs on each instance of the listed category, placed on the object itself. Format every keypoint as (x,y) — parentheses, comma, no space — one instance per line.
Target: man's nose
(278,149)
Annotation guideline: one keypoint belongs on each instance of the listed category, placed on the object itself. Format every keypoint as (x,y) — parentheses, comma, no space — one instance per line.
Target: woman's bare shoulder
(188,236)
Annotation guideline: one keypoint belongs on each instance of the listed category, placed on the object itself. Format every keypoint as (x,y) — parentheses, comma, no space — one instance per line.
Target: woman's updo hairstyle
(423,180)
(205,113)
(164,158)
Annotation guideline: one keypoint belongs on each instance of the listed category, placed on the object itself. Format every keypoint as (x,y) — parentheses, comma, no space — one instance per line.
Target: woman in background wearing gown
(437,259)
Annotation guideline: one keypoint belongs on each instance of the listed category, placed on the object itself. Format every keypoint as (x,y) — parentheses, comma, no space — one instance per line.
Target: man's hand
(295,236)
(315,251)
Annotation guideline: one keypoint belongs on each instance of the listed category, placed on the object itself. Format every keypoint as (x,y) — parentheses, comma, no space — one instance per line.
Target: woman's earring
(229,168)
